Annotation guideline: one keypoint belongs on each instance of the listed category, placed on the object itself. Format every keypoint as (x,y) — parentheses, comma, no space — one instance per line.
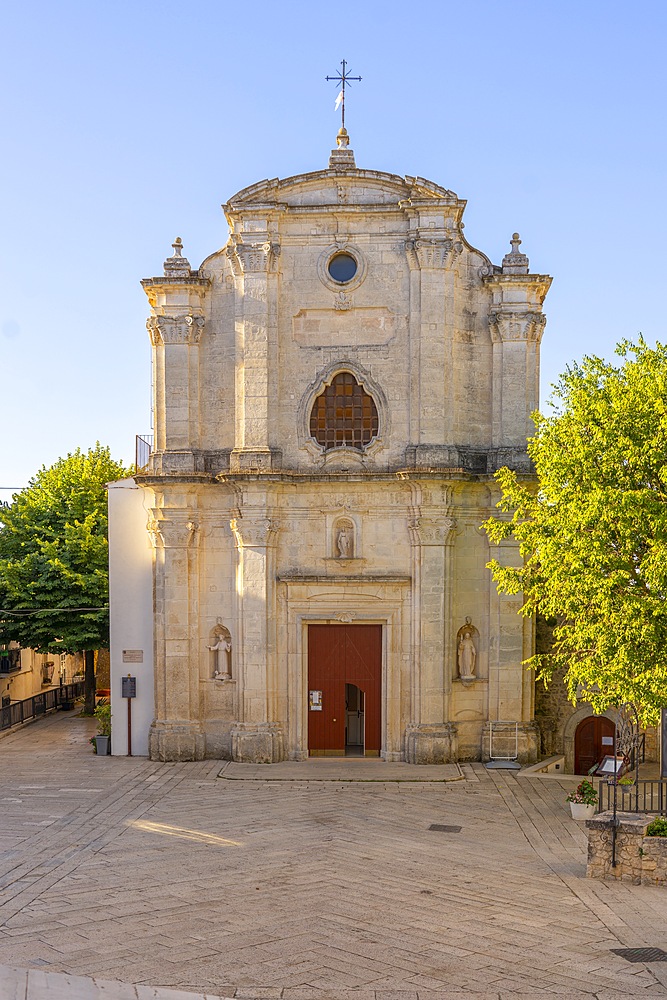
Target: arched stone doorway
(594,737)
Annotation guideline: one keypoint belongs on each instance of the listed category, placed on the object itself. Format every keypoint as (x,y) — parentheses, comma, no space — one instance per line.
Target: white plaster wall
(131,612)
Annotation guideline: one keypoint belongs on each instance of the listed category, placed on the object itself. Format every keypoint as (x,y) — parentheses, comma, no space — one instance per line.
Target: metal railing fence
(644,796)
(31,708)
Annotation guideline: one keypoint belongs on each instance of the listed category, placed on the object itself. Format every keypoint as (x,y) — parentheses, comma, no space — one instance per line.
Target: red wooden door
(589,748)
(340,655)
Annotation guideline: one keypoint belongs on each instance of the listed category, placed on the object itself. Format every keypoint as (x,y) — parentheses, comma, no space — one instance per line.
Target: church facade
(333,392)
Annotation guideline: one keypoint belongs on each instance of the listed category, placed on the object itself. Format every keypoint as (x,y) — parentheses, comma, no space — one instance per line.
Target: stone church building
(300,569)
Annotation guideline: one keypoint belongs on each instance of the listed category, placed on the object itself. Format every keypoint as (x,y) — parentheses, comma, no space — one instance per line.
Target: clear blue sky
(127,124)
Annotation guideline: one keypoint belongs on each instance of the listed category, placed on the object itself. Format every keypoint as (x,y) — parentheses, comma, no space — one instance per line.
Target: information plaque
(129,687)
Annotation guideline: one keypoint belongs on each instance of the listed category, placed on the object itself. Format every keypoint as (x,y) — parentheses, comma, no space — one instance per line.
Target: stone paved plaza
(302,888)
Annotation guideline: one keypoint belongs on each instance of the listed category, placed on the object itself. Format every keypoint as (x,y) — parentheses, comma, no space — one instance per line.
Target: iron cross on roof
(343,79)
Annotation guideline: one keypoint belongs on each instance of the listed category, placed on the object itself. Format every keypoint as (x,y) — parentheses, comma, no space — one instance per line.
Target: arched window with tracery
(344,415)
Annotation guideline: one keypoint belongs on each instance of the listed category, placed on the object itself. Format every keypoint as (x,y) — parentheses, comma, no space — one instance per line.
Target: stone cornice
(541,283)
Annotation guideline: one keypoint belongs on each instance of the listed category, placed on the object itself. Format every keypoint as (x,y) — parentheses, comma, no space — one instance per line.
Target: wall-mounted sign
(133,656)
(128,687)
(315,701)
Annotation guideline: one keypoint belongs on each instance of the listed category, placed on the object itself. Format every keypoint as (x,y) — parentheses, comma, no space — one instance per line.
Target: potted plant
(583,801)
(103,739)
(626,783)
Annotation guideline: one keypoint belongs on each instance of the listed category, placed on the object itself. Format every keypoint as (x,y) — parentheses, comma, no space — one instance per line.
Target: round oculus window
(342,267)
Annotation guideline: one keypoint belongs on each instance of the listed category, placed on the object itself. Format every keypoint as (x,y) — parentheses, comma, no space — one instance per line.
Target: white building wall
(131,614)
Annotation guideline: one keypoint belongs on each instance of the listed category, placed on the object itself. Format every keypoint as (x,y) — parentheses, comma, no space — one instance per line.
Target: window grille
(344,415)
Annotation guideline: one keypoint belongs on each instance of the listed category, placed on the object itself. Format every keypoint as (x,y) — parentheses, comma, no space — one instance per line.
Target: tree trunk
(89,682)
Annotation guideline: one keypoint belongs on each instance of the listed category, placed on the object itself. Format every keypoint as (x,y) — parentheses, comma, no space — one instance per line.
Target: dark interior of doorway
(354,721)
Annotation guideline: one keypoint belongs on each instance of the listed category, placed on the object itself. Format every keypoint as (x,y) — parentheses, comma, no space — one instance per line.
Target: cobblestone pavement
(304,888)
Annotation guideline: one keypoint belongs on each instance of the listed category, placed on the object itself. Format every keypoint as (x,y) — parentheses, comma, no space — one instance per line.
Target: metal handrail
(31,708)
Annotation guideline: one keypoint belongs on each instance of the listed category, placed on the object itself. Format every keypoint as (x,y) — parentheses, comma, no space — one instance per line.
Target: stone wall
(640,860)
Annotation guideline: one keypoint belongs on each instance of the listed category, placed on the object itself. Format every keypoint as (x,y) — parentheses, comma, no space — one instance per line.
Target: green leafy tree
(54,574)
(593,530)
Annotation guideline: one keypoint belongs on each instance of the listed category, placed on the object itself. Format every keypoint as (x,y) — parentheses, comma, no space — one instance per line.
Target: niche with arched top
(344,539)
(467,652)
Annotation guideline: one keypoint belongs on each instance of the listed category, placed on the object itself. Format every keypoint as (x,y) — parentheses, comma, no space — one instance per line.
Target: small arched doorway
(593,739)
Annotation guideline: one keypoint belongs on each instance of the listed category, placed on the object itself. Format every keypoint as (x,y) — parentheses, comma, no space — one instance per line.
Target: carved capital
(428,530)
(175,329)
(432,253)
(517,326)
(254,258)
(171,533)
(256,532)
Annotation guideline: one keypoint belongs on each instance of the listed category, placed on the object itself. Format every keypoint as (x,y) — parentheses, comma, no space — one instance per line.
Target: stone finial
(342,157)
(515,262)
(342,139)
(177,265)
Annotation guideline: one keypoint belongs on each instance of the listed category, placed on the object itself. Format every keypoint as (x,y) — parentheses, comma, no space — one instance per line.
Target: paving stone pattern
(306,889)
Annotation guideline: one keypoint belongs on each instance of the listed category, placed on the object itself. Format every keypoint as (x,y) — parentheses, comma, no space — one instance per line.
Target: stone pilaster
(430,738)
(255,265)
(431,254)
(176,733)
(257,736)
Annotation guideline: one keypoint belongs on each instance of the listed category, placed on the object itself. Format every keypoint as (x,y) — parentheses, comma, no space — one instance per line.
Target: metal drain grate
(442,828)
(641,954)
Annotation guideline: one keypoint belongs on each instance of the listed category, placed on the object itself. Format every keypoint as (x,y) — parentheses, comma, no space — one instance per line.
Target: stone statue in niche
(344,540)
(466,651)
(222,654)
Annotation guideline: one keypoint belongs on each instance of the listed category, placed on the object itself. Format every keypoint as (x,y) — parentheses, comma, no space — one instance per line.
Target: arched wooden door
(340,656)
(593,739)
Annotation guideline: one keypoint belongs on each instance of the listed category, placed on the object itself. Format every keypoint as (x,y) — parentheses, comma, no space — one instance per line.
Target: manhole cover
(641,954)
(442,828)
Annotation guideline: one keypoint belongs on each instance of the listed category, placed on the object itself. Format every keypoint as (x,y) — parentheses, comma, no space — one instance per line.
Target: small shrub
(658,828)
(103,715)
(584,793)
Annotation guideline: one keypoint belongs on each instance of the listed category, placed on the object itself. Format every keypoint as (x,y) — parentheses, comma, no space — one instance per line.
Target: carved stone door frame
(381,601)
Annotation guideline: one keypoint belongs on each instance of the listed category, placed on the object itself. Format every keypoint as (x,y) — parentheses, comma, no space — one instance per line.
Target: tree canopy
(54,578)
(593,530)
